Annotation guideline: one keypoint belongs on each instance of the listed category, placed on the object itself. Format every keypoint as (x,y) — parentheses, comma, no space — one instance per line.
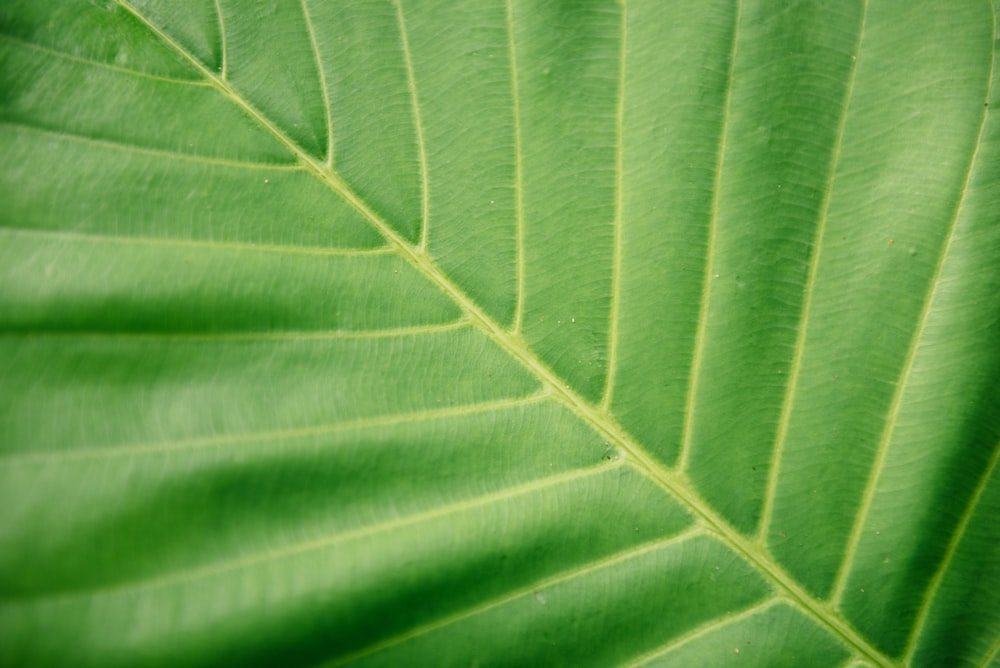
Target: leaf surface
(431,333)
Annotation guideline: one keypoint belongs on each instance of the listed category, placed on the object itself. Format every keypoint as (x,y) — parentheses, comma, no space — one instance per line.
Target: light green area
(771,635)
(499,333)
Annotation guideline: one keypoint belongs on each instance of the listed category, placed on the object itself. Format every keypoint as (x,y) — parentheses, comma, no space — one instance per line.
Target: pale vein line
(143,150)
(991,653)
(224,68)
(106,66)
(706,288)
(672,482)
(242,337)
(911,355)
(607,562)
(761,607)
(616,267)
(326,542)
(518,171)
(198,244)
(324,88)
(203,442)
(956,538)
(854,662)
(418,126)
(800,340)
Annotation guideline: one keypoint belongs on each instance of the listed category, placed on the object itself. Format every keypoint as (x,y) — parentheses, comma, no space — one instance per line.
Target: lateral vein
(418,126)
(953,544)
(89,237)
(518,171)
(800,339)
(146,150)
(323,87)
(911,355)
(753,610)
(295,549)
(199,442)
(671,482)
(616,269)
(565,576)
(63,55)
(706,286)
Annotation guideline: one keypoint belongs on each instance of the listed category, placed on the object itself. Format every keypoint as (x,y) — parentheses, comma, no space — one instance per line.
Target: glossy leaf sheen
(524,333)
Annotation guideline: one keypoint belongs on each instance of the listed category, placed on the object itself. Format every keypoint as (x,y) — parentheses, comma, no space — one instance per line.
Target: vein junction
(672,482)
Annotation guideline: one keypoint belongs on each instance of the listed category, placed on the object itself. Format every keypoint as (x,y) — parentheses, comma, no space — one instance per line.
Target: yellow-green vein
(706,286)
(757,608)
(223,47)
(295,549)
(949,554)
(418,127)
(244,336)
(198,442)
(515,346)
(518,171)
(803,325)
(97,63)
(911,355)
(616,260)
(143,150)
(565,576)
(200,244)
(323,87)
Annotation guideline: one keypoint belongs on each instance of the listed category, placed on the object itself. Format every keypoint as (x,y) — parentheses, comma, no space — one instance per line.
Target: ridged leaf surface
(417,332)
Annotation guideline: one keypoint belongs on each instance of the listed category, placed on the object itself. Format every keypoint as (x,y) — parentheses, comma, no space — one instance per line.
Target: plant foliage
(412,332)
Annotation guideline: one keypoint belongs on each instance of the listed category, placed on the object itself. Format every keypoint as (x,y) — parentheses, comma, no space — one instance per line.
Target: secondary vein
(800,339)
(671,482)
(706,289)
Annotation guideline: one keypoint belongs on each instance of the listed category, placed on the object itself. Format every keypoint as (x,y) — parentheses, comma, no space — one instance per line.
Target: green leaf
(524,333)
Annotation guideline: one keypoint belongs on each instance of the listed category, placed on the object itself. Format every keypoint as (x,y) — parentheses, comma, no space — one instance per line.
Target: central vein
(600,420)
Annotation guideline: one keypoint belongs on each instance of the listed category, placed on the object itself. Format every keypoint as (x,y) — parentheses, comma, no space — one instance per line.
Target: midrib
(517,348)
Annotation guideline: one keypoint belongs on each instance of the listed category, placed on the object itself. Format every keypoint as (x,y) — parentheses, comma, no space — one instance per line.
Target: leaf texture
(499,333)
